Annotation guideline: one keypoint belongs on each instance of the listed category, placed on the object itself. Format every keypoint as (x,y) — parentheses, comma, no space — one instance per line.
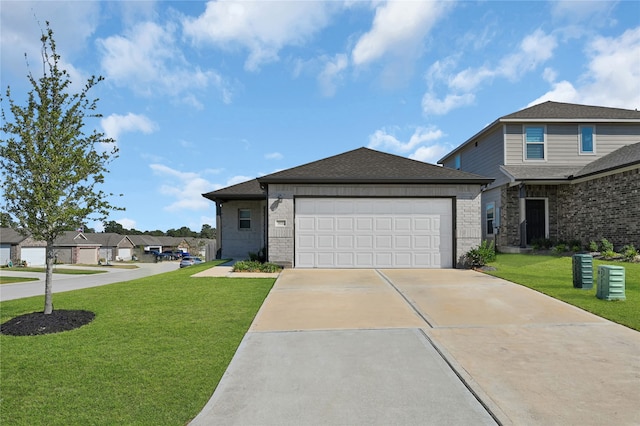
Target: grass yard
(154,353)
(15,280)
(552,275)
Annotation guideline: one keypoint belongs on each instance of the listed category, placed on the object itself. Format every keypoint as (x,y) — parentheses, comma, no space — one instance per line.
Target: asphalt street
(65,282)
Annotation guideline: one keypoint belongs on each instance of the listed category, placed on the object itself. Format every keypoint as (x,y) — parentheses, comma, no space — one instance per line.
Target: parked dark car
(189,261)
(173,254)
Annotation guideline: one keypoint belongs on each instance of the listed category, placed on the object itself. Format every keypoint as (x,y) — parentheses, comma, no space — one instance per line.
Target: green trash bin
(583,271)
(611,283)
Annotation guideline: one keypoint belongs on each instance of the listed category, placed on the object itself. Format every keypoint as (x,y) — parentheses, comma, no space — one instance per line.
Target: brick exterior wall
(607,207)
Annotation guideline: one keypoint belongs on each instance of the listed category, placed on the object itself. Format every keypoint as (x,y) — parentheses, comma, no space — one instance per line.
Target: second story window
(586,136)
(244,219)
(457,160)
(534,142)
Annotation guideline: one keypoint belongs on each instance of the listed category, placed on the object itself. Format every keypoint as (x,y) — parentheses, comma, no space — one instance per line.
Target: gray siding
(483,157)
(562,143)
(237,243)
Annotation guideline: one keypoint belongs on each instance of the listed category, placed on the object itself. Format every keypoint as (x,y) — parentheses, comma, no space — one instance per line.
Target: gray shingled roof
(519,173)
(10,236)
(364,165)
(74,238)
(625,156)
(245,190)
(558,110)
(107,239)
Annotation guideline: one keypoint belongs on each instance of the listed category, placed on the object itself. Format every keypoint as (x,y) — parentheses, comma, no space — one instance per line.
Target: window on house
(534,142)
(457,160)
(586,134)
(491,214)
(244,219)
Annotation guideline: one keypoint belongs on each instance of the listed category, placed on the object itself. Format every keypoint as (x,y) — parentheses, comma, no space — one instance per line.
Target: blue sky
(202,95)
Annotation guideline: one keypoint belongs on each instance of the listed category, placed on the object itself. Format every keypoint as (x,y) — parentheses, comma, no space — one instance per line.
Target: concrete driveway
(425,347)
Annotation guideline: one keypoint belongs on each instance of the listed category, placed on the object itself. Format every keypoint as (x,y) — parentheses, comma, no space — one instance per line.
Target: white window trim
(580,151)
(490,206)
(250,219)
(524,144)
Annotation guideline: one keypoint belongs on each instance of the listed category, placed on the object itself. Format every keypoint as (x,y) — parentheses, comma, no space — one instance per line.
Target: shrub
(606,246)
(542,243)
(260,256)
(559,249)
(593,246)
(481,255)
(629,253)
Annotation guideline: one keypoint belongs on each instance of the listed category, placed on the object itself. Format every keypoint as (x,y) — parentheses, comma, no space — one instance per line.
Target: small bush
(481,255)
(542,244)
(593,246)
(629,253)
(606,246)
(559,249)
(260,256)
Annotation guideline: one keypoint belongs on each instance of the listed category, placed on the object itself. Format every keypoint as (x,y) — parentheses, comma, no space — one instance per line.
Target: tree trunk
(48,280)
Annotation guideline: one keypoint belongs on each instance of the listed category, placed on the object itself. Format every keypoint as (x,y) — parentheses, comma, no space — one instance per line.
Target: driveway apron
(425,347)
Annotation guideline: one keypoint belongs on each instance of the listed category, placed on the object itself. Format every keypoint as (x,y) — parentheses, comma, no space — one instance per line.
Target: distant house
(16,247)
(359,209)
(564,172)
(75,247)
(113,247)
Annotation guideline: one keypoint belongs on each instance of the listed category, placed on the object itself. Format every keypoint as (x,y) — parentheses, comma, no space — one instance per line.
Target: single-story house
(359,209)
(16,247)
(113,247)
(75,247)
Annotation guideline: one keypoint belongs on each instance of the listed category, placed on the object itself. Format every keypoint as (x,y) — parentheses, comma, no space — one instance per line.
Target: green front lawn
(552,275)
(14,280)
(154,353)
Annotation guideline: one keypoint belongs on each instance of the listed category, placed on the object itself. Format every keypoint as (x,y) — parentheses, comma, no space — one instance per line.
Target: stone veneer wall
(606,207)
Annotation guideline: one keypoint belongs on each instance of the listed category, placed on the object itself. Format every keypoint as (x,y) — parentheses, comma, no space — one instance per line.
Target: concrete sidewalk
(425,347)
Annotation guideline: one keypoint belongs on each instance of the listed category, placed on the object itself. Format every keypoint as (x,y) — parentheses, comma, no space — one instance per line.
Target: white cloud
(578,11)
(534,50)
(612,77)
(115,124)
(185,187)
(386,140)
(262,28)
(430,154)
(273,156)
(127,223)
(148,60)
(398,29)
(331,75)
(238,179)
(431,105)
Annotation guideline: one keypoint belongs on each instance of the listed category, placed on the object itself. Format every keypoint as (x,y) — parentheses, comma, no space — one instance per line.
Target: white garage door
(34,255)
(124,253)
(373,233)
(5,253)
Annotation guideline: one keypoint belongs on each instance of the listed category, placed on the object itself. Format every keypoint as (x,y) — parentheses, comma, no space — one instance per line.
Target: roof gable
(364,165)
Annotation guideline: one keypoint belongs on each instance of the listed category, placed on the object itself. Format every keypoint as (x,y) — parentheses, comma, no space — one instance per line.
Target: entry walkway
(425,347)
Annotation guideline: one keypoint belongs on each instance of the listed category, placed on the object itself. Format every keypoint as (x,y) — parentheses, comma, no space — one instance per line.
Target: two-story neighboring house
(564,172)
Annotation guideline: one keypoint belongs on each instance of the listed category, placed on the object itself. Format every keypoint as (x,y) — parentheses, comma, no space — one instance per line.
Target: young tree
(51,168)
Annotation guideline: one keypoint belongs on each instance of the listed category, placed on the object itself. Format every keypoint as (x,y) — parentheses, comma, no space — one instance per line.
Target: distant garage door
(374,232)
(34,255)
(88,256)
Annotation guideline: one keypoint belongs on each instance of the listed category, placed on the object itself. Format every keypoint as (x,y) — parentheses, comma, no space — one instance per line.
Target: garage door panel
(344,224)
(364,242)
(325,224)
(368,233)
(344,242)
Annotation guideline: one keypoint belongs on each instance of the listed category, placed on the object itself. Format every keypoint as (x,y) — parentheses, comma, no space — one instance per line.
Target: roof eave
(479,181)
